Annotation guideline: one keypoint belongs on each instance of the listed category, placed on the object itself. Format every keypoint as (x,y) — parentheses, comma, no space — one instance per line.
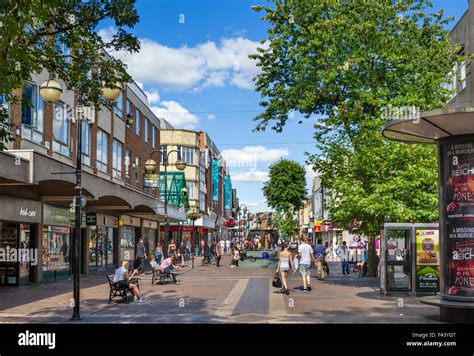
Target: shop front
(58,224)
(102,238)
(150,235)
(19,224)
(129,228)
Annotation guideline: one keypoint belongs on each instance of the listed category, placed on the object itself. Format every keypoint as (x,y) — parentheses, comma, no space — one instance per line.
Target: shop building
(36,197)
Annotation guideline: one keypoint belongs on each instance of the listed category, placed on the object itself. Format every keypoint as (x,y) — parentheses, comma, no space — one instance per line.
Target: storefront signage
(227,192)
(27,212)
(151,180)
(53,215)
(91,219)
(215,180)
(458,176)
(427,261)
(21,210)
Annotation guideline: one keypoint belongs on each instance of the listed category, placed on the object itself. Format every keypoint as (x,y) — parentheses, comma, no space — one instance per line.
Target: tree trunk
(373,258)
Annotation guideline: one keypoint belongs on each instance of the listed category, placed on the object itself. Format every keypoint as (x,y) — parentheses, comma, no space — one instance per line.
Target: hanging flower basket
(193,215)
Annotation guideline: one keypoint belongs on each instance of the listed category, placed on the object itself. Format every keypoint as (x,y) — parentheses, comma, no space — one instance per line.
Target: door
(9,239)
(398,260)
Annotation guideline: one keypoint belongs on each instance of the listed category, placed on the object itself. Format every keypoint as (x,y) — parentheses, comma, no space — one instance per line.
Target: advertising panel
(215,180)
(227,193)
(427,261)
(458,176)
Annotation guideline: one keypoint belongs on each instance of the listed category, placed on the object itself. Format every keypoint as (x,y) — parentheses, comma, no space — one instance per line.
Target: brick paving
(207,294)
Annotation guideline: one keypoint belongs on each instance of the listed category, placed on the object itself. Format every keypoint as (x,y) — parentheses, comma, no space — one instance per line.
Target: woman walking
(284,264)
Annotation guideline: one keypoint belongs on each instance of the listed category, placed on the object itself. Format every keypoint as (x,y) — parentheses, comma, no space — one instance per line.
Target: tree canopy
(62,37)
(285,189)
(348,65)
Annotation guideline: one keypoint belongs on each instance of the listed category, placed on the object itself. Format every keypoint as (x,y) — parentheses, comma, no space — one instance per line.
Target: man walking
(343,252)
(141,255)
(219,253)
(320,254)
(305,252)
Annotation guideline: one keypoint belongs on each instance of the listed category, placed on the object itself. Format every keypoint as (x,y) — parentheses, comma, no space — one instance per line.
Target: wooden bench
(161,277)
(117,291)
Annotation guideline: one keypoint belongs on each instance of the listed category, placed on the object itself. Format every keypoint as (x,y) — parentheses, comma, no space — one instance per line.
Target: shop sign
(91,219)
(151,180)
(27,212)
(427,260)
(458,209)
(54,215)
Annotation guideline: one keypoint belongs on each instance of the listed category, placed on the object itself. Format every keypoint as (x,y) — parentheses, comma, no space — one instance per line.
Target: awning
(432,126)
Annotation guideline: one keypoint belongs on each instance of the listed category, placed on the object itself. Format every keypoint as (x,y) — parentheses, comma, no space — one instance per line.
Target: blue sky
(193,64)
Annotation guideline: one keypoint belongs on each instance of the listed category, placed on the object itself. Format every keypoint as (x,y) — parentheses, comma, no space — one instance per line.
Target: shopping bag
(296,263)
(276,281)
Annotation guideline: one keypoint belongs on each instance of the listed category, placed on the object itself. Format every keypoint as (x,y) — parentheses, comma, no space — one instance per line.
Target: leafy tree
(285,189)
(349,65)
(34,34)
(288,226)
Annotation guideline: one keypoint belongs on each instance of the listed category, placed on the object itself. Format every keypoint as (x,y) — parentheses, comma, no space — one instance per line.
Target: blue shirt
(319,251)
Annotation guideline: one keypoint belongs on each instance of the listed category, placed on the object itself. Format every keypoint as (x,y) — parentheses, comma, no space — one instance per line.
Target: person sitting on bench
(123,278)
(169,267)
(362,264)
(154,265)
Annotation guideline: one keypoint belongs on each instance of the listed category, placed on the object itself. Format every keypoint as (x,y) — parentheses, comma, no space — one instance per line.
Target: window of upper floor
(61,128)
(32,113)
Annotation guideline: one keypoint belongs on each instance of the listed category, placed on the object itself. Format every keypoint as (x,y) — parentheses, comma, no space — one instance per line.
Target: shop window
(32,114)
(61,129)
(56,249)
(127,243)
(102,150)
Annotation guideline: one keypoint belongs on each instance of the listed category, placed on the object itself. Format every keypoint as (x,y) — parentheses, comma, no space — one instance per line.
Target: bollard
(192,257)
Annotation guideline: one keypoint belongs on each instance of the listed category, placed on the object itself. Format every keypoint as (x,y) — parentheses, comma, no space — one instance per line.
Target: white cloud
(252,203)
(153,96)
(192,68)
(211,117)
(177,115)
(251,176)
(309,172)
(249,156)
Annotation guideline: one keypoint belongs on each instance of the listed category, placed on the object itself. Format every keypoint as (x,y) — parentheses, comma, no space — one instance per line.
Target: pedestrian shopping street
(207,294)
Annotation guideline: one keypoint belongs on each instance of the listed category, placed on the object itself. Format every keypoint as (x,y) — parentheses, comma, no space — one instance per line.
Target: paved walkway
(207,294)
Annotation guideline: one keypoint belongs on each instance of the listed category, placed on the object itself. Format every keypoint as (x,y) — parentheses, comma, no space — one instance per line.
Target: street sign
(151,180)
(91,219)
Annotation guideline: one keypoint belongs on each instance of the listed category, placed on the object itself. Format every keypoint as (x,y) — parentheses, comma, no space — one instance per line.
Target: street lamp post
(150,166)
(51,92)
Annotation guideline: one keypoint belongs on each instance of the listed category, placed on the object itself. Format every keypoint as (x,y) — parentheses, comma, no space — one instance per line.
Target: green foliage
(346,64)
(32,35)
(288,227)
(285,189)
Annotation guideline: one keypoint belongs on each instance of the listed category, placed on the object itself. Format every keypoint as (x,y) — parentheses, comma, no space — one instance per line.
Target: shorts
(284,269)
(123,284)
(304,269)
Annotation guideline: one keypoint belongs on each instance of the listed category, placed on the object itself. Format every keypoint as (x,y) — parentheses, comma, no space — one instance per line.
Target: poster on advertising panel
(427,261)
(459,213)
